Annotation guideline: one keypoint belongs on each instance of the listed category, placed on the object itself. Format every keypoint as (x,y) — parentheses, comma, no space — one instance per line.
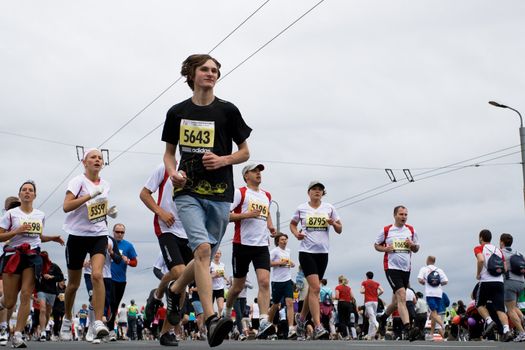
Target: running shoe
(292,334)
(488,328)
(4,336)
(65,330)
(506,337)
(173,305)
(242,337)
(43,336)
(96,341)
(520,337)
(217,328)
(301,326)
(99,329)
(265,328)
(319,332)
(18,341)
(381,321)
(168,339)
(112,336)
(89,333)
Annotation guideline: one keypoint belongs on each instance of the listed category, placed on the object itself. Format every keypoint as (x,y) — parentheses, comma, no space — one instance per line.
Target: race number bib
(400,245)
(97,211)
(220,272)
(196,136)
(317,223)
(36,227)
(263,208)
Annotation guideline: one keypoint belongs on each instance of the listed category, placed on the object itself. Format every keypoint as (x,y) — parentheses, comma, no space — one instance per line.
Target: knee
(97,277)
(264,284)
(315,290)
(203,253)
(25,294)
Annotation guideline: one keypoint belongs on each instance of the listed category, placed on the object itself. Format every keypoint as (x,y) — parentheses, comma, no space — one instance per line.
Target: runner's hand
(211,161)
(96,191)
(113,212)
(23,229)
(252,214)
(300,235)
(178,179)
(166,217)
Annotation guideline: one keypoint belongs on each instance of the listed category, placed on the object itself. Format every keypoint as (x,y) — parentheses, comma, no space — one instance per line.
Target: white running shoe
(112,336)
(96,341)
(65,330)
(99,329)
(4,336)
(89,333)
(18,341)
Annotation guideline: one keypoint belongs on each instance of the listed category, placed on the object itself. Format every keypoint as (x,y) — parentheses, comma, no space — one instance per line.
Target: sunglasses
(120,232)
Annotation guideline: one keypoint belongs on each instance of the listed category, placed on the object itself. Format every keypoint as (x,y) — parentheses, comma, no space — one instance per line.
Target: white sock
(228,311)
(506,328)
(488,320)
(264,317)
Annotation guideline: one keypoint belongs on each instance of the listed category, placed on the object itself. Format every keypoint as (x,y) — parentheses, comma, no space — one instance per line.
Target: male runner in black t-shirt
(203,127)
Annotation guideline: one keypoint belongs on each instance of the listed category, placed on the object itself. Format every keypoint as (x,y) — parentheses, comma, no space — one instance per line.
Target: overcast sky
(351,89)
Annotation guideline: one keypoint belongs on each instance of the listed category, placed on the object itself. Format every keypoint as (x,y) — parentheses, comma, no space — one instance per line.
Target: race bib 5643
(196,136)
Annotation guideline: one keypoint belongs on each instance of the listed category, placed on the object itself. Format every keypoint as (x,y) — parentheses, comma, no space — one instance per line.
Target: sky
(351,89)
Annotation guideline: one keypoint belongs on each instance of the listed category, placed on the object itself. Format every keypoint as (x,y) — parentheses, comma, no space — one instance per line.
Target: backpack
(517,264)
(433,278)
(327,299)
(495,265)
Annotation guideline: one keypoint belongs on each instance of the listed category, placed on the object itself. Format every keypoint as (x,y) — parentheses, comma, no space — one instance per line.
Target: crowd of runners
(195,201)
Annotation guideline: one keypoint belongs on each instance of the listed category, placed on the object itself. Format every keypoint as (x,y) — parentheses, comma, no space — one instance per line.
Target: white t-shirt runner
(487,250)
(400,258)
(252,231)
(280,273)
(160,181)
(431,291)
(90,219)
(314,224)
(218,282)
(15,218)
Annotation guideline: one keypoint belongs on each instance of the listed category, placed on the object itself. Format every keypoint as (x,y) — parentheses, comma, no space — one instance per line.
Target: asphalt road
(281,344)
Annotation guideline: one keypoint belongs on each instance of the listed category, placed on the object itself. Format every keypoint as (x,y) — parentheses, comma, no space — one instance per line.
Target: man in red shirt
(372,290)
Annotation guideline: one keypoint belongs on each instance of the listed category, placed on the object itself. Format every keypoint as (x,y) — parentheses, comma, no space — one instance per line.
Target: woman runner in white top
(86,203)
(315,218)
(22,228)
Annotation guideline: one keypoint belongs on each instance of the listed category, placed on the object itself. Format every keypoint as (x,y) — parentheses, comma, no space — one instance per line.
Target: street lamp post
(277,216)
(522,141)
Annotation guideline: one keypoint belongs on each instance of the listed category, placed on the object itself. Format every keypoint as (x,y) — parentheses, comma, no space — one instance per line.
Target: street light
(277,216)
(522,141)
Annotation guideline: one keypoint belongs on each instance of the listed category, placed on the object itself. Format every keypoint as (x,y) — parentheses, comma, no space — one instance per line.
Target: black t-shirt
(197,130)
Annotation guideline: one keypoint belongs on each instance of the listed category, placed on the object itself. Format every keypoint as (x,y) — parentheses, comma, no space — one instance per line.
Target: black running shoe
(168,339)
(488,328)
(413,334)
(152,305)
(173,306)
(217,328)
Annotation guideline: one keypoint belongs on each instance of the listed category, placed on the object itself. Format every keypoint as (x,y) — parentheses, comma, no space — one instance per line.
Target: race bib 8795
(317,222)
(196,136)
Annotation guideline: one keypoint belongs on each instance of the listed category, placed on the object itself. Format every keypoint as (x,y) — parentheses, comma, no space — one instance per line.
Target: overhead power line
(149,104)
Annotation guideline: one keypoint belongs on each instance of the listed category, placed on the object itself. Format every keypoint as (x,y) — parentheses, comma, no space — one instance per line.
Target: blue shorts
(434,304)
(203,220)
(197,307)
